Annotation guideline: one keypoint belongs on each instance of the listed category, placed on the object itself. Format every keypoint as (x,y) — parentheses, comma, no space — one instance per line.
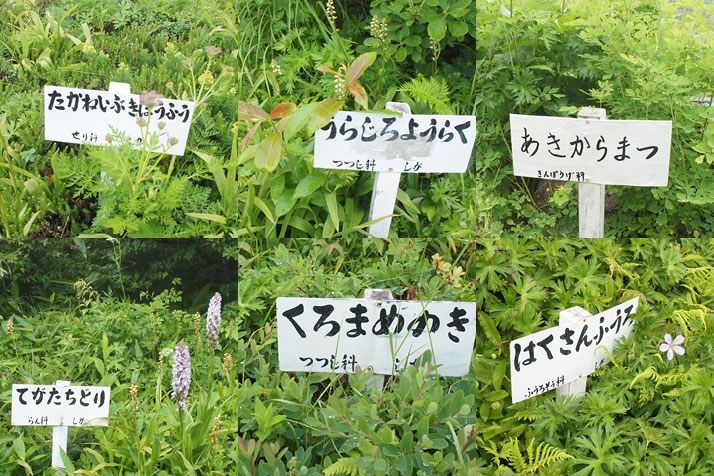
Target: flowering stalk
(181,375)
(213,321)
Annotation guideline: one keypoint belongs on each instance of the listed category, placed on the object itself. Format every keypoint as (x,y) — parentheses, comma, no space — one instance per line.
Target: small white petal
(668,338)
(679,340)
(670,355)
(678,349)
(664,347)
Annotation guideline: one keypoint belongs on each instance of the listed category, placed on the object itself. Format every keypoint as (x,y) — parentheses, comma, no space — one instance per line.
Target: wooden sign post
(560,358)
(59,406)
(390,145)
(591,196)
(377,332)
(384,191)
(593,152)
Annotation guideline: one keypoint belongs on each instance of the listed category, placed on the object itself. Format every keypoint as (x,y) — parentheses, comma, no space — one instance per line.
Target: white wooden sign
(377,142)
(86,116)
(337,335)
(57,405)
(604,152)
(553,357)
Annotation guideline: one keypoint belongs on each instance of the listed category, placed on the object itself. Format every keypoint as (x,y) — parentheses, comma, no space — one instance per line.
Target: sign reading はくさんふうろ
(553,357)
(53,405)
(86,116)
(377,142)
(326,335)
(582,150)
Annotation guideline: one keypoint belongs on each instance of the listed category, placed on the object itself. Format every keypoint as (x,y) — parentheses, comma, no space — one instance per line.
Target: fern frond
(432,91)
(543,456)
(687,318)
(631,293)
(701,279)
(343,466)
(672,378)
(649,372)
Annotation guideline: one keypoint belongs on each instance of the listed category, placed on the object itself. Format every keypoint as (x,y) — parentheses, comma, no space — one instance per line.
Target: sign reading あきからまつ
(378,142)
(583,150)
(86,116)
(337,335)
(553,357)
(57,405)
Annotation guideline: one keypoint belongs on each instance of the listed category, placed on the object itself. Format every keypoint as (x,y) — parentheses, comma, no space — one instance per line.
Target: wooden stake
(572,317)
(591,196)
(59,436)
(384,192)
(377,380)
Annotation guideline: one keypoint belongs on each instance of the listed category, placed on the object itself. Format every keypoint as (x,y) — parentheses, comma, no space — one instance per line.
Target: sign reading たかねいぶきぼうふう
(86,116)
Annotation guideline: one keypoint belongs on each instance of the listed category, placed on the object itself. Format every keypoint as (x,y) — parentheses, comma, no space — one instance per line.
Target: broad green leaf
(283,109)
(458,28)
(360,94)
(309,184)
(264,208)
(360,65)
(284,203)
(322,113)
(250,112)
(209,216)
(437,28)
(267,156)
(297,120)
(333,210)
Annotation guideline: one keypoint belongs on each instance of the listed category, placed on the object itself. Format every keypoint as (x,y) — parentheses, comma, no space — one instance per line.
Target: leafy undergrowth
(110,324)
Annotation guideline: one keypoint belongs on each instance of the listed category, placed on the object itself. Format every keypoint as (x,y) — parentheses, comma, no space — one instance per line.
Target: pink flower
(213,50)
(150,98)
(669,346)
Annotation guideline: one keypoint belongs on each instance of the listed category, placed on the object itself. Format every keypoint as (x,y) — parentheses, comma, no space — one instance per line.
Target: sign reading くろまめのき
(56,405)
(584,150)
(326,335)
(377,142)
(86,116)
(553,357)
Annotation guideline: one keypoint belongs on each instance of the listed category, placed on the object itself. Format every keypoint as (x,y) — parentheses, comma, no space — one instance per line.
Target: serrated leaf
(489,328)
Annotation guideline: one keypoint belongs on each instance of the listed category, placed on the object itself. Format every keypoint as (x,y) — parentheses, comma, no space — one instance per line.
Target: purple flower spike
(669,346)
(182,375)
(213,320)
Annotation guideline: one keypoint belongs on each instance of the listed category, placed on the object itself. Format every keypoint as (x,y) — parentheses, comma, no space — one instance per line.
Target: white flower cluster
(378,29)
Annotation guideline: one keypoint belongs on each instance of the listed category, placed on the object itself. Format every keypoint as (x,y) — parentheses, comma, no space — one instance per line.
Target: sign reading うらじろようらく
(326,335)
(553,357)
(607,152)
(378,142)
(56,405)
(86,116)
